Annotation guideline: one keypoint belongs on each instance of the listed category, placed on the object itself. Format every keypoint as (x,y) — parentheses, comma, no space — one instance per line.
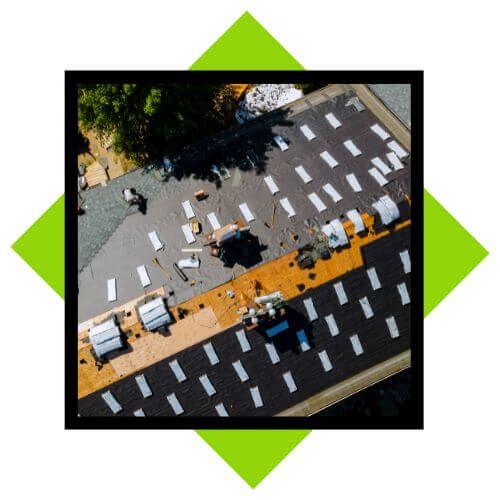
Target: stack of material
(191,263)
(336,234)
(264,98)
(154,314)
(387,209)
(105,338)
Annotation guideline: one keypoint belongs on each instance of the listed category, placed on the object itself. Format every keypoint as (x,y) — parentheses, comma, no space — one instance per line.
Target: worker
(132,198)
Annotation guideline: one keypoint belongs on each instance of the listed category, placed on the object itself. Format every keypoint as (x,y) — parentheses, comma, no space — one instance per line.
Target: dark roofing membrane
(113,240)
(305,367)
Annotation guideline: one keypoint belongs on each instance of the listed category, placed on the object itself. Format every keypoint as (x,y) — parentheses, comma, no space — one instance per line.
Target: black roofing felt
(112,245)
(305,367)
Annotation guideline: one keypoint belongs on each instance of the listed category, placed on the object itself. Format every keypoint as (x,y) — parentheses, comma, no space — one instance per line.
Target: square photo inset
(244,255)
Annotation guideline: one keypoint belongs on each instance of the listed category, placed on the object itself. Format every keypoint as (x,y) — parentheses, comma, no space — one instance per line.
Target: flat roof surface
(113,240)
(305,367)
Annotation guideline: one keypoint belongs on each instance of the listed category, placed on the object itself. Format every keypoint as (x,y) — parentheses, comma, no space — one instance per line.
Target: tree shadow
(83,144)
(244,147)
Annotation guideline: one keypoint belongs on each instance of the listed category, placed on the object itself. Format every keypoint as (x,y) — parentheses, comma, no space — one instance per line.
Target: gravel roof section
(105,209)
(397,97)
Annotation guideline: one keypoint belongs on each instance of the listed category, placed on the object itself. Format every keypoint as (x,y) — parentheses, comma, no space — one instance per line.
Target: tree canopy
(149,121)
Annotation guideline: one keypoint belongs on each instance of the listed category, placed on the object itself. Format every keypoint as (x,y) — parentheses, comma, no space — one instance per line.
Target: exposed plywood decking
(376,342)
(216,316)
(225,318)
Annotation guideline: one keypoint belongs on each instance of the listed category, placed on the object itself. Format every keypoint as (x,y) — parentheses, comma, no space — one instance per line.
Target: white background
(456,43)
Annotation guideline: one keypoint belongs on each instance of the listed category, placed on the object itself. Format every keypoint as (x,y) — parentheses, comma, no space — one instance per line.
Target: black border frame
(72,421)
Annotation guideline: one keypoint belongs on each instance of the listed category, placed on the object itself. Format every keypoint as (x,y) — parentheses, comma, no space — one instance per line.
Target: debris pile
(264,98)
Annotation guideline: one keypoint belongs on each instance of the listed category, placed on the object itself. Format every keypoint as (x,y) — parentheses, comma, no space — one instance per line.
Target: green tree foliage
(150,121)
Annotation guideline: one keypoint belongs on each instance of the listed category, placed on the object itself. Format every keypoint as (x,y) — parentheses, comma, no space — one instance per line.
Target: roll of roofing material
(180,272)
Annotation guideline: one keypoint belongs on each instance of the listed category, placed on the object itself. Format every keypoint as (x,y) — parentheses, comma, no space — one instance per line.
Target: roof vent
(105,338)
(154,314)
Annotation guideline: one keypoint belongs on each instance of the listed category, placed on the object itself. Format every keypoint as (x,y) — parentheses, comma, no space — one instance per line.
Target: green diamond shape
(42,246)
(450,252)
(253,454)
(246,45)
